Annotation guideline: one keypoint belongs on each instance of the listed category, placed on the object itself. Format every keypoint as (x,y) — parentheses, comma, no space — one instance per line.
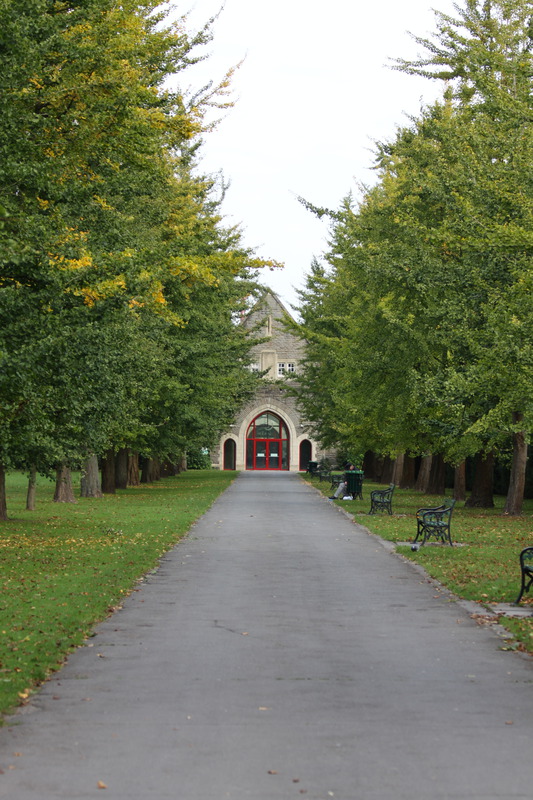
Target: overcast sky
(312,95)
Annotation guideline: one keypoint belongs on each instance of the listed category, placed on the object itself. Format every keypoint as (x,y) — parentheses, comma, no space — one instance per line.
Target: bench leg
(524,587)
(522,590)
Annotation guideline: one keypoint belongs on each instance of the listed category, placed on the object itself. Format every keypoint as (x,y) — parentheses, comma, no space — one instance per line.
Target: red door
(267,443)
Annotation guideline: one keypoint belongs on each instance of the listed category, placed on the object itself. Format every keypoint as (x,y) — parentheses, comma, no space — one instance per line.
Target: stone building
(269,433)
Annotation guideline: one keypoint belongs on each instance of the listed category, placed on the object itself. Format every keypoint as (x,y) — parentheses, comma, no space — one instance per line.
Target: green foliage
(418,326)
(198,459)
(66,567)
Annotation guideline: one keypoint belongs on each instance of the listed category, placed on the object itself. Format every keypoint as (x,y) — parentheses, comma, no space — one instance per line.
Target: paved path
(280,652)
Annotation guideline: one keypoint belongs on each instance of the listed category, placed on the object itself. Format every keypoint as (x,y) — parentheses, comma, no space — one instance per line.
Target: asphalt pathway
(280,651)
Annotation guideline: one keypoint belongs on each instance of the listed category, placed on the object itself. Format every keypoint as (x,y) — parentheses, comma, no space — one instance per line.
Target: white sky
(313,94)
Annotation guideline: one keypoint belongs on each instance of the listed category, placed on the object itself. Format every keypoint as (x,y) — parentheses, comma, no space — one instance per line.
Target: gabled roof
(263,305)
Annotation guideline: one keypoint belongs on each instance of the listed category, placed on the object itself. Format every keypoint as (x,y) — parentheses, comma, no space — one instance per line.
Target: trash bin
(354,481)
(312,467)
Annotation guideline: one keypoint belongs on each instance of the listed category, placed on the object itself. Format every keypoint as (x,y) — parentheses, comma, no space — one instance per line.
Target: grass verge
(484,568)
(65,567)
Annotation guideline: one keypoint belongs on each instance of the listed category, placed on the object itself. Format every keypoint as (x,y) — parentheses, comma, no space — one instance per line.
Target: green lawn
(484,568)
(65,567)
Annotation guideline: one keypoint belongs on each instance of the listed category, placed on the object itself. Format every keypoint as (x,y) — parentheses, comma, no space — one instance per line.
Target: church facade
(269,432)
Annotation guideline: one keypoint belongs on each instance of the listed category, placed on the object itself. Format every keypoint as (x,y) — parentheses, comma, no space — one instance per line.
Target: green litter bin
(354,481)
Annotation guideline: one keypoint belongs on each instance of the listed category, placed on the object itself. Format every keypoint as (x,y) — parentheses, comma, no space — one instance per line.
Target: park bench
(434,522)
(324,474)
(381,499)
(526,567)
(336,478)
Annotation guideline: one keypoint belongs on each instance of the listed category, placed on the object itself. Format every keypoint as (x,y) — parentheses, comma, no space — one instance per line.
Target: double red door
(267,443)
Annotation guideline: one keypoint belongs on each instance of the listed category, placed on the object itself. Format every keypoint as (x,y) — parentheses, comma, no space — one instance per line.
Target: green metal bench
(324,474)
(336,478)
(381,499)
(526,567)
(434,522)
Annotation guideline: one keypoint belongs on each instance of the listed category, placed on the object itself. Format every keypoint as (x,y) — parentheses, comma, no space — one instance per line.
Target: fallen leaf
(272,772)
(509,722)
(101,785)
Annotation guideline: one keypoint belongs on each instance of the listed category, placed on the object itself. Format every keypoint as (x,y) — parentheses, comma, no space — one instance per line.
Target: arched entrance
(230,453)
(267,443)
(305,454)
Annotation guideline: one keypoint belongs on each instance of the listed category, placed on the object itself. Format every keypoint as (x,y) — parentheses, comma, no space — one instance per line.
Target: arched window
(267,443)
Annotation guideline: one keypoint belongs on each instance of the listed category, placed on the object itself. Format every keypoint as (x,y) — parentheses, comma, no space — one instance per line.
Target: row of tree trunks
(120,470)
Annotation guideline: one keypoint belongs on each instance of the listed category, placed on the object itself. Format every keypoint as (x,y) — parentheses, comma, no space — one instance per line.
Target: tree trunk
(422,480)
(388,470)
(90,478)
(3,501)
(459,482)
(32,486)
(437,477)
(150,471)
(121,468)
(64,493)
(397,470)
(517,481)
(407,480)
(108,473)
(369,465)
(133,469)
(481,495)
